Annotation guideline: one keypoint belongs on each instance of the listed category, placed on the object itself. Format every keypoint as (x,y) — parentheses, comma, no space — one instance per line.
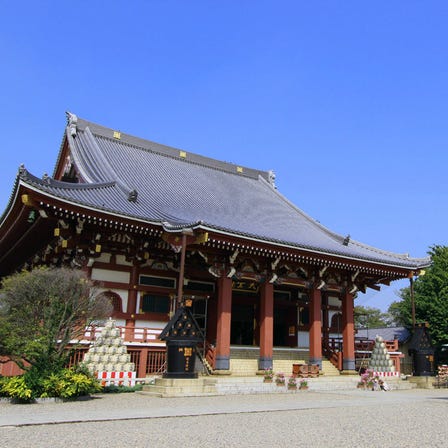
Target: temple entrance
(280,327)
(285,326)
(242,326)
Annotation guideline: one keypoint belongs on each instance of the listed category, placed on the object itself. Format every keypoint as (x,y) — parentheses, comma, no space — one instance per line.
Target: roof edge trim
(425,262)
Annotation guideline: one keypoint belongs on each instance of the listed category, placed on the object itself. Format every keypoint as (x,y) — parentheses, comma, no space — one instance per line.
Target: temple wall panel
(303,339)
(103,258)
(121,259)
(334,301)
(111,276)
(120,322)
(150,324)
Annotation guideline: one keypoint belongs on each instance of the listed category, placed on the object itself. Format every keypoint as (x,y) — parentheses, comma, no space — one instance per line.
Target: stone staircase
(244,361)
(243,378)
(230,385)
(328,369)
(191,387)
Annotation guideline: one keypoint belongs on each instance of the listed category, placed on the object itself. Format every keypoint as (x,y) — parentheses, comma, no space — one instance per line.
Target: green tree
(42,311)
(370,317)
(430,298)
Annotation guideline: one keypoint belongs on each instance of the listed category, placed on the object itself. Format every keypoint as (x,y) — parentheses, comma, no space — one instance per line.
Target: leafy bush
(51,386)
(112,389)
(67,383)
(2,381)
(74,384)
(15,387)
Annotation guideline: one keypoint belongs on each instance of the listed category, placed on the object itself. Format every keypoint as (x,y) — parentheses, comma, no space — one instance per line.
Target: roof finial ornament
(346,240)
(132,196)
(46,178)
(72,121)
(271,175)
(22,171)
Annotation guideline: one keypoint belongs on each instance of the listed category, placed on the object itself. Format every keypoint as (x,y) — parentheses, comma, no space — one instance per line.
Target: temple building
(155,225)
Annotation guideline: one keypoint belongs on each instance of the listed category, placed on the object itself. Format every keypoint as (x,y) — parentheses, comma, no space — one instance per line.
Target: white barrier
(117,378)
(385,373)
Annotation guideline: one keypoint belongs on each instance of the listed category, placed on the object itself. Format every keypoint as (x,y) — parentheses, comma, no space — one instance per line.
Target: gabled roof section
(138,178)
(94,166)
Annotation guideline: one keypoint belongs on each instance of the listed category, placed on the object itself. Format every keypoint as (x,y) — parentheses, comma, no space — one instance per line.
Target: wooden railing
(210,354)
(143,335)
(332,350)
(368,344)
(332,344)
(147,360)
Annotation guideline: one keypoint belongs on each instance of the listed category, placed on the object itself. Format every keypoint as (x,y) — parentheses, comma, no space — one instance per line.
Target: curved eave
(89,207)
(408,265)
(413,264)
(11,201)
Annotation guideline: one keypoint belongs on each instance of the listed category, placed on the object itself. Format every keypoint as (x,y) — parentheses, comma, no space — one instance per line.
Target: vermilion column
(224,314)
(132,291)
(266,326)
(348,333)
(132,303)
(316,328)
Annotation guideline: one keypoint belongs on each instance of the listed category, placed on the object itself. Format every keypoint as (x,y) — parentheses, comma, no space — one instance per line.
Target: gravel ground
(414,418)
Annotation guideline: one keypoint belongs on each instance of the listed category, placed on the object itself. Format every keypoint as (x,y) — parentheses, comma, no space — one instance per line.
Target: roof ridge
(255,175)
(170,151)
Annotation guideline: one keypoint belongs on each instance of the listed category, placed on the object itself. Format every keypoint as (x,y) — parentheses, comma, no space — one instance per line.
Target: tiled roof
(402,334)
(183,189)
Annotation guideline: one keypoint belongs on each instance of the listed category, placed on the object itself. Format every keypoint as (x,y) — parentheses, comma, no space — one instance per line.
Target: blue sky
(346,101)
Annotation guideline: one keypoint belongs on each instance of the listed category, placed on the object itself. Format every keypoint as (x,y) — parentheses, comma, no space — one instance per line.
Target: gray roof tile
(402,334)
(196,189)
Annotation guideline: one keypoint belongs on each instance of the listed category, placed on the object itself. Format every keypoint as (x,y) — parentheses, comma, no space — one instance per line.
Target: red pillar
(143,361)
(133,290)
(131,308)
(266,326)
(316,327)
(348,333)
(224,312)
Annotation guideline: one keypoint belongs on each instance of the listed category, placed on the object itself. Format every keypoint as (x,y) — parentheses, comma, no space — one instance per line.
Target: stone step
(278,353)
(243,367)
(170,387)
(249,366)
(328,369)
(285,365)
(254,384)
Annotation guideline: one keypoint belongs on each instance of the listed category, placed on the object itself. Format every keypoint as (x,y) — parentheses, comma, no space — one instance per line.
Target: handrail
(332,349)
(145,335)
(210,354)
(368,344)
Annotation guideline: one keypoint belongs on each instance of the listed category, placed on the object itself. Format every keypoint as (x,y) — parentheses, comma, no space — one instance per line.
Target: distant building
(155,225)
(401,334)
